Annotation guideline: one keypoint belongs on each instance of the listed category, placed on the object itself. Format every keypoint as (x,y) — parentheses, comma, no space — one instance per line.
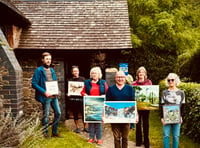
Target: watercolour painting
(171,114)
(75,88)
(93,108)
(147,97)
(120,112)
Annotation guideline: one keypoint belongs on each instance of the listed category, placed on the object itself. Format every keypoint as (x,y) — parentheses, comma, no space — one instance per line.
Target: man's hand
(47,94)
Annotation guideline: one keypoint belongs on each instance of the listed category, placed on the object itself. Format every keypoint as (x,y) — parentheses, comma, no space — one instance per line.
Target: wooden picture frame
(171,114)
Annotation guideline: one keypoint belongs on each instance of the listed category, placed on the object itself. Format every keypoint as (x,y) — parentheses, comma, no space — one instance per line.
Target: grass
(155,134)
(70,140)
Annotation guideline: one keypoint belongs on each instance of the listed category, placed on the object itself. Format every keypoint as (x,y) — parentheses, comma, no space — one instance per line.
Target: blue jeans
(175,134)
(95,129)
(53,102)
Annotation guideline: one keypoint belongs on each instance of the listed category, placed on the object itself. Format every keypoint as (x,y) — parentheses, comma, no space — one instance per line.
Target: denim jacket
(38,83)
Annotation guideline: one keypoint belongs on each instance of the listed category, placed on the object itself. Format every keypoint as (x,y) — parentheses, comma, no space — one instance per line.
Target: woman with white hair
(172,96)
(95,86)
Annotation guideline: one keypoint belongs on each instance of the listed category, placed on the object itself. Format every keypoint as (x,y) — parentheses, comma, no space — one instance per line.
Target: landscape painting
(93,108)
(75,88)
(120,112)
(147,97)
(171,114)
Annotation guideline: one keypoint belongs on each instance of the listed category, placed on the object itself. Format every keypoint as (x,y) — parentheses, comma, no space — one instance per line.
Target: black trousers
(143,120)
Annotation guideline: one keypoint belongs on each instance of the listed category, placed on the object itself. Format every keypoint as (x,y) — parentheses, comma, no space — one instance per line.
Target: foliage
(190,126)
(165,35)
(155,134)
(13,131)
(70,139)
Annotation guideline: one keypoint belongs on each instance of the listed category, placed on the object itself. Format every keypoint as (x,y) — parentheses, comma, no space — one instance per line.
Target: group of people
(96,86)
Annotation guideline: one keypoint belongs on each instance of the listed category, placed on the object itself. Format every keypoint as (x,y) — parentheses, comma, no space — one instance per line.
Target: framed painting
(75,88)
(93,108)
(120,111)
(147,97)
(52,87)
(171,114)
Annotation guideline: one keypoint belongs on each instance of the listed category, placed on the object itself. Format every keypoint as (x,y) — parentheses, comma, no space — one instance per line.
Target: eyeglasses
(118,77)
(172,80)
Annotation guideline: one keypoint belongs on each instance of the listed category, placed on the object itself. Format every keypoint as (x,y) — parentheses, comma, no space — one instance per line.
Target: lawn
(70,140)
(155,134)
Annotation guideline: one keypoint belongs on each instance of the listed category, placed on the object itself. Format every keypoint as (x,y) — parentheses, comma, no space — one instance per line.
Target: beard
(46,66)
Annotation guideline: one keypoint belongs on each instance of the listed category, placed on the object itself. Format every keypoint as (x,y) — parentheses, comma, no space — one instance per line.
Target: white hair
(176,79)
(98,69)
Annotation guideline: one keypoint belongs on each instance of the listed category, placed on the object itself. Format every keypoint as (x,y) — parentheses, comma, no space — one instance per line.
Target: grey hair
(176,78)
(98,69)
(139,69)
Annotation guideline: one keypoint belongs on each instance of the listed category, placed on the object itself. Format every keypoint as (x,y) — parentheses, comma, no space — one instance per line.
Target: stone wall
(30,104)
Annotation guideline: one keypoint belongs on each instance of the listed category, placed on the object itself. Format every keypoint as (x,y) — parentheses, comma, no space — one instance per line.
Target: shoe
(57,135)
(86,130)
(77,130)
(46,136)
(90,140)
(99,142)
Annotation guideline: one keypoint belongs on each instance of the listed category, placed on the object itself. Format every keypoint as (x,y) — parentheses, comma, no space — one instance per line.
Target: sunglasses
(172,80)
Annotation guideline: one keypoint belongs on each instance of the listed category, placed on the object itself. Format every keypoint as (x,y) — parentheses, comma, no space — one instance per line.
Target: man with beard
(43,74)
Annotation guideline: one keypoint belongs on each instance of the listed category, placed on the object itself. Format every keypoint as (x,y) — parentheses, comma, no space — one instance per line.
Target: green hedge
(191,118)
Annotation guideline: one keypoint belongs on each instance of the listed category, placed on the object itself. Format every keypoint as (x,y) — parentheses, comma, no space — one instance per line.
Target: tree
(165,35)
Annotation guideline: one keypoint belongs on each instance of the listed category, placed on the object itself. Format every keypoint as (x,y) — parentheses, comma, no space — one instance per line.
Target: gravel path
(108,140)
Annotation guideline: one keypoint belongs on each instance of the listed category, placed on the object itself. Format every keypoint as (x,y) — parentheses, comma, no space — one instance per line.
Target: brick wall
(11,85)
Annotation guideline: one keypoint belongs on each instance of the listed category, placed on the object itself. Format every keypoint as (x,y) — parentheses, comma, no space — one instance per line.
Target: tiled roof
(10,15)
(76,25)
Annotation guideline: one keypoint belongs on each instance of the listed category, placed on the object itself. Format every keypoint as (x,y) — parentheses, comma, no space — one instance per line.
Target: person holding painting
(171,96)
(95,86)
(77,101)
(121,92)
(141,79)
(42,75)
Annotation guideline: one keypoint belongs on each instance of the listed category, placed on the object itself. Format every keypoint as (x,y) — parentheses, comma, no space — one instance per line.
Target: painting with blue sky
(120,112)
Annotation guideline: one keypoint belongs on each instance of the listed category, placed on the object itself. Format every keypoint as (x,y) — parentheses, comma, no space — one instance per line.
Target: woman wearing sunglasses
(172,96)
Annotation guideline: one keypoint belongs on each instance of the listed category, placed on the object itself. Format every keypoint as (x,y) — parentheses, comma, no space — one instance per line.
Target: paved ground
(108,140)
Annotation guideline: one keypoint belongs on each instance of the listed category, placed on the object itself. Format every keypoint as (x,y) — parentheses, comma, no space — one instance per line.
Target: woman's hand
(137,118)
(162,121)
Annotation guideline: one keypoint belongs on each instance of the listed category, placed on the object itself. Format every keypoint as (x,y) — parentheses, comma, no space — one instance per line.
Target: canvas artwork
(171,114)
(75,88)
(147,97)
(120,112)
(93,108)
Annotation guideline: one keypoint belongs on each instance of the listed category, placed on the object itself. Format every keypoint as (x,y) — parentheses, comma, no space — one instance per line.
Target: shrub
(191,118)
(15,130)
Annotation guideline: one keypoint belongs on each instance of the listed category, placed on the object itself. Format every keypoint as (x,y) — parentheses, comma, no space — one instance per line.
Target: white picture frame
(52,87)
(93,108)
(120,111)
(75,88)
